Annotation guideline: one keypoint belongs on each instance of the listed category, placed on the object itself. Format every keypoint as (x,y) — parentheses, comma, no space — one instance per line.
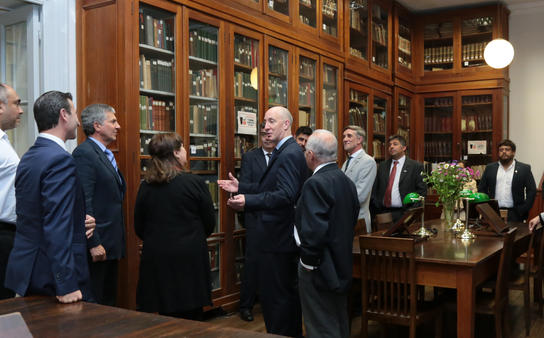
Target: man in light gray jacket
(360,168)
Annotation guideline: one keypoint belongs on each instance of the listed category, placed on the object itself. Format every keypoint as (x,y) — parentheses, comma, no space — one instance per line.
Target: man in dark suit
(253,166)
(104,188)
(326,214)
(510,182)
(274,198)
(49,252)
(396,177)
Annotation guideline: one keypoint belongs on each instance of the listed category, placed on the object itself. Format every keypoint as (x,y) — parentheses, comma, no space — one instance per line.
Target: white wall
(527,84)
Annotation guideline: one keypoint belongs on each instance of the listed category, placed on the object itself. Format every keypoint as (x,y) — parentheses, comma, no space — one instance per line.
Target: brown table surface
(45,317)
(446,261)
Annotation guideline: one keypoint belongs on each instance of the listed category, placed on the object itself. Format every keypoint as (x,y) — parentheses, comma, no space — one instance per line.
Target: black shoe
(246,315)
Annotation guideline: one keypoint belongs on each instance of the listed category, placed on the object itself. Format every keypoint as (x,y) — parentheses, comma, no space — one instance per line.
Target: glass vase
(448,209)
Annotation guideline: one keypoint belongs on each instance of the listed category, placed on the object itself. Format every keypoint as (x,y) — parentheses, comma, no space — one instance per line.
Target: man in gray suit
(360,168)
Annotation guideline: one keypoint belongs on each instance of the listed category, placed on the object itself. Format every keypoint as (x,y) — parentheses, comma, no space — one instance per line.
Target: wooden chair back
(388,278)
(383,221)
(503,274)
(360,228)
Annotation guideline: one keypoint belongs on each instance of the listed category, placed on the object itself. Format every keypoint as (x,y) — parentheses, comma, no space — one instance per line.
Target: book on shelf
(203,45)
(243,144)
(203,82)
(156,74)
(306,95)
(156,32)
(242,86)
(303,118)
(156,114)
(246,51)
(203,119)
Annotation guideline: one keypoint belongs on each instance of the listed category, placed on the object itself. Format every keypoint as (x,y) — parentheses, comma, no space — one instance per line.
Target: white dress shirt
(503,187)
(267,158)
(8,168)
(54,139)
(396,201)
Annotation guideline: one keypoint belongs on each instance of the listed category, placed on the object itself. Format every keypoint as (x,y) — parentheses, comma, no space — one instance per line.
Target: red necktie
(387,197)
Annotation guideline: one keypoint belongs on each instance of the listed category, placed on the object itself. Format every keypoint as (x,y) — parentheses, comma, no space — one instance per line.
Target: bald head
(10,108)
(278,122)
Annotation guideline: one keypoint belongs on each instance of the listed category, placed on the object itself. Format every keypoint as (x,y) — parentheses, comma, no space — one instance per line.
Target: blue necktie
(110,156)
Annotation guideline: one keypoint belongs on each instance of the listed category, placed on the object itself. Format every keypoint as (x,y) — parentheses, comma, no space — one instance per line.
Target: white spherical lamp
(499,53)
(254,78)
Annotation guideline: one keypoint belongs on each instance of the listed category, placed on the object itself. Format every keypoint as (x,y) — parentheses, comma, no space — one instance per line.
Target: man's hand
(90,225)
(230,185)
(534,222)
(71,297)
(98,253)
(237,202)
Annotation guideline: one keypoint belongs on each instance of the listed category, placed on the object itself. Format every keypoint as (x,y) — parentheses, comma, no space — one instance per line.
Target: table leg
(466,302)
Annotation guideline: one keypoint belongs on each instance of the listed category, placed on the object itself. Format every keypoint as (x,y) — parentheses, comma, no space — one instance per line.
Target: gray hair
(358,130)
(3,93)
(323,144)
(94,113)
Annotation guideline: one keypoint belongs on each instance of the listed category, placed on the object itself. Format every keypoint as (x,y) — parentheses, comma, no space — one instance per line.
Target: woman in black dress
(173,216)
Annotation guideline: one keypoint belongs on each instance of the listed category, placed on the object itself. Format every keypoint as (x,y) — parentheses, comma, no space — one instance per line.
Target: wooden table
(448,262)
(45,317)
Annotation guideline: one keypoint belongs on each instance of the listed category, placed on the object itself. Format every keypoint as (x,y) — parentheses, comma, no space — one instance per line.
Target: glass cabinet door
(329,17)
(246,94)
(157,100)
(475,34)
(438,129)
(358,28)
(405,43)
(358,112)
(477,128)
(307,92)
(204,150)
(280,6)
(330,98)
(404,105)
(380,30)
(278,67)
(438,46)
(307,12)
(379,142)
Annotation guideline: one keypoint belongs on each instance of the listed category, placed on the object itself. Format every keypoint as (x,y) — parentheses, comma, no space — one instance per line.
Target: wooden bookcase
(224,63)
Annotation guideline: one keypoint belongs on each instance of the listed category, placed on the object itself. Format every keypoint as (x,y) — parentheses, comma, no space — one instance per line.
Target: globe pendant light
(499,53)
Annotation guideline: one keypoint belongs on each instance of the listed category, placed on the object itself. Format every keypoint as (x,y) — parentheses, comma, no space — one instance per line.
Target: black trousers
(7,235)
(278,293)
(104,281)
(250,274)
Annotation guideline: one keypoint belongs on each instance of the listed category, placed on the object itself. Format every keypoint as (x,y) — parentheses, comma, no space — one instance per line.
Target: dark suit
(252,169)
(274,198)
(104,189)
(49,256)
(327,212)
(523,188)
(410,181)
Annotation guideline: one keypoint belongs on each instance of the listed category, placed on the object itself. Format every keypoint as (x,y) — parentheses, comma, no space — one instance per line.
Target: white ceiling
(426,5)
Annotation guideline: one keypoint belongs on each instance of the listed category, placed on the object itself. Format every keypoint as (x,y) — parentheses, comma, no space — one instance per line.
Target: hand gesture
(71,297)
(534,222)
(237,202)
(90,225)
(98,253)
(230,185)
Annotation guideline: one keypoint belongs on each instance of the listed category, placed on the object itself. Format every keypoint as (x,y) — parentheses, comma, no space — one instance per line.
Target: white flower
(446,166)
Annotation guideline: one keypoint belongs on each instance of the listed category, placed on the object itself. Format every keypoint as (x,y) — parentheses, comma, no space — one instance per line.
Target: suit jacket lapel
(106,161)
(261,160)
(275,155)
(405,170)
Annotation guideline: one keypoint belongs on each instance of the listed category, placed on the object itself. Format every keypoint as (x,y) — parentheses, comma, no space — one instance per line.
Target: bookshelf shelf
(202,135)
(200,61)
(477,131)
(151,49)
(156,92)
(244,99)
(144,131)
(203,98)
(278,75)
(241,66)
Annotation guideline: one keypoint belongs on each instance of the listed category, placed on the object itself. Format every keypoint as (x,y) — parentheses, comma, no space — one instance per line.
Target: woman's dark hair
(164,166)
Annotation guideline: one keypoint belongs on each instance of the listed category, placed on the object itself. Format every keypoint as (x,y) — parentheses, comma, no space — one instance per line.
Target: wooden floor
(484,325)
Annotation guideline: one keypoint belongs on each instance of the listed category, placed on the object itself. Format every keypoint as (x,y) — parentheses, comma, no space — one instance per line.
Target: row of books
(307,68)
(476,99)
(404,132)
(277,61)
(329,75)
(380,58)
(242,86)
(329,8)
(439,101)
(474,51)
(203,147)
(475,122)
(438,30)
(156,114)
(306,94)
(404,118)
(433,55)
(379,33)
(438,123)
(359,53)
(330,122)
(156,74)
(358,19)
(330,99)
(405,45)
(357,116)
(406,62)
(246,51)
(379,122)
(156,32)
(203,82)
(277,91)
(203,119)
(203,44)
(378,149)
(437,148)
(306,118)
(357,96)
(243,144)
(310,21)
